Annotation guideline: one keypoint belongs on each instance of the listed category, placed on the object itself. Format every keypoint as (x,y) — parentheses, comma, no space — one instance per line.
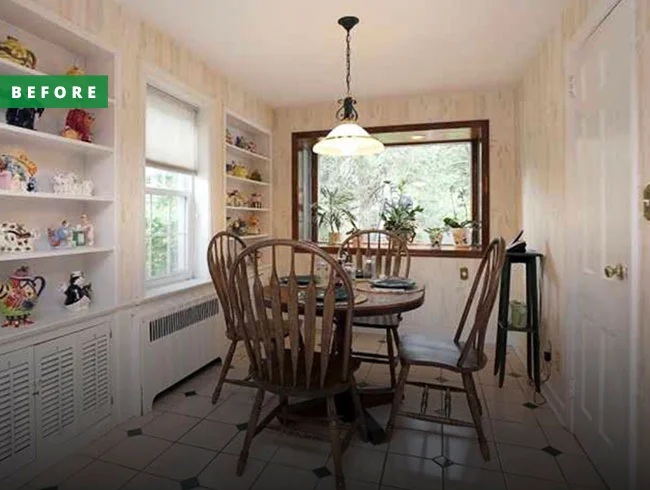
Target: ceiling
(291,52)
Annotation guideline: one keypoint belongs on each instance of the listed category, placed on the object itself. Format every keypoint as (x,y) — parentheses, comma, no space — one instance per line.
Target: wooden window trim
(480,130)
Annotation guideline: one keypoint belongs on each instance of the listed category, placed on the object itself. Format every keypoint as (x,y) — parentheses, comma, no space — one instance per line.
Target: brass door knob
(618,271)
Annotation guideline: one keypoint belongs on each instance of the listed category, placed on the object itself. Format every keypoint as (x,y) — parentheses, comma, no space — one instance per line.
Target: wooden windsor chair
(392,258)
(460,356)
(295,366)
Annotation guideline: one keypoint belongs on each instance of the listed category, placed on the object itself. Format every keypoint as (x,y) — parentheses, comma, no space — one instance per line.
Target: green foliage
(399,213)
(334,207)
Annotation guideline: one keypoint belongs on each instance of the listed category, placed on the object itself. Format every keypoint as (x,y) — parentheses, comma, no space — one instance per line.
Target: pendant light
(348,138)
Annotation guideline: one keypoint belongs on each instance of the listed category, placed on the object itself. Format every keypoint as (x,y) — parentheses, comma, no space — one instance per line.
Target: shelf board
(244,208)
(248,181)
(53,142)
(46,254)
(254,237)
(51,195)
(246,153)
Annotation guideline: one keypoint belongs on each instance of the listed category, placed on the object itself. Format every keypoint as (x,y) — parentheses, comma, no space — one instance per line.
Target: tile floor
(188,443)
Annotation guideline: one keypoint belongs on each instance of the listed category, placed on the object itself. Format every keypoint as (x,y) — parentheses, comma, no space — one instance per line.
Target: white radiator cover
(176,339)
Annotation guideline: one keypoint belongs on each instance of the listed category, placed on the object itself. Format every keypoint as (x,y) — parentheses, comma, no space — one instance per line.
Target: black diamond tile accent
(190,483)
(442,379)
(321,472)
(530,405)
(552,451)
(443,461)
(190,393)
(514,375)
(242,426)
(134,432)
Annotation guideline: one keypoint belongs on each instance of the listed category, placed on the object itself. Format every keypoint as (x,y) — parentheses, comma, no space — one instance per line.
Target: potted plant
(333,209)
(459,230)
(399,213)
(435,235)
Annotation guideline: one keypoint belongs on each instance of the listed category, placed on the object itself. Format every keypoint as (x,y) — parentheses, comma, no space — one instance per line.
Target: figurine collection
(237,169)
(236,199)
(242,227)
(17,172)
(78,292)
(241,142)
(67,236)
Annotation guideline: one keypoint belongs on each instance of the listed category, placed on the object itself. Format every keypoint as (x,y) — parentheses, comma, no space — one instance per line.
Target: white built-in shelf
(46,254)
(21,136)
(52,195)
(245,153)
(254,237)
(244,208)
(248,181)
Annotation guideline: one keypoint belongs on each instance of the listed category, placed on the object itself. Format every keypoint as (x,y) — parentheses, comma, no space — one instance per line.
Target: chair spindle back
(390,251)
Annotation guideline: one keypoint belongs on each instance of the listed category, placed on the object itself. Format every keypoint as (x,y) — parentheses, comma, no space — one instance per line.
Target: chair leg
(335,441)
(391,357)
(397,400)
(224,371)
(358,408)
(250,431)
(474,408)
(504,361)
(497,351)
(480,406)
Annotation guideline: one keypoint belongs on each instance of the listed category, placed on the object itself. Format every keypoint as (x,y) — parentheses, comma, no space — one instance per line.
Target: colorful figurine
(229,138)
(13,50)
(253,225)
(230,167)
(255,201)
(75,70)
(240,142)
(235,199)
(23,118)
(255,175)
(78,292)
(79,125)
(60,237)
(240,171)
(15,238)
(70,183)
(88,230)
(251,146)
(21,171)
(19,296)
(237,226)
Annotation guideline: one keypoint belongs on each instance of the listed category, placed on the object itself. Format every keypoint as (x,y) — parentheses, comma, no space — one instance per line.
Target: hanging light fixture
(348,138)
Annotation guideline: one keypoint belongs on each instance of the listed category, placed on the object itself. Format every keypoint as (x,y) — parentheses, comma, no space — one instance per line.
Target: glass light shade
(348,139)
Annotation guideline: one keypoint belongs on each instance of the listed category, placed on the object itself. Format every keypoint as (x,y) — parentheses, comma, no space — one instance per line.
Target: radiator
(176,341)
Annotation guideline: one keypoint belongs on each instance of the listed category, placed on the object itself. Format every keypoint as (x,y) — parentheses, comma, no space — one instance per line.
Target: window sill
(174,288)
(422,250)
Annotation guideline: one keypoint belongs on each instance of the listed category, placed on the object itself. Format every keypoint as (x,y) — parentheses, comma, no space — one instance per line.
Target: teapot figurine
(13,50)
(18,297)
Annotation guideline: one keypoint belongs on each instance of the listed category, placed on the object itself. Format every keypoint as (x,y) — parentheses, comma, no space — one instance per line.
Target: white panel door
(94,367)
(17,425)
(602,243)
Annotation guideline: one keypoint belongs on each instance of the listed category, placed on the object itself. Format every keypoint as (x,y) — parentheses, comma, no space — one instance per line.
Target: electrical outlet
(548,357)
(464,273)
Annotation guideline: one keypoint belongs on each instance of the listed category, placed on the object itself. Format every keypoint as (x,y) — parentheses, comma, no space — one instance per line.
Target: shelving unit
(57,46)
(259,161)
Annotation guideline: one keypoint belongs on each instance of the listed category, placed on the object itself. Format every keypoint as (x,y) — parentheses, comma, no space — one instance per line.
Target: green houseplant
(333,209)
(461,230)
(399,213)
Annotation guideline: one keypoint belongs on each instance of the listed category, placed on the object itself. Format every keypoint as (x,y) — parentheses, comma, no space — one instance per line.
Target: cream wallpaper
(139,43)
(446,293)
(541,157)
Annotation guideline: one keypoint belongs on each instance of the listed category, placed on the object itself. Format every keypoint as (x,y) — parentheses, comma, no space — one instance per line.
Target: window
(440,170)
(171,167)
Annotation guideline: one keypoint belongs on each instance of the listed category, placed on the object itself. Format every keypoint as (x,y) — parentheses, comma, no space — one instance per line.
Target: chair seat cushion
(333,380)
(378,321)
(422,350)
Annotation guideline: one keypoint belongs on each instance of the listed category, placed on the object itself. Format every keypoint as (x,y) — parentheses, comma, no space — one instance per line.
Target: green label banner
(54,91)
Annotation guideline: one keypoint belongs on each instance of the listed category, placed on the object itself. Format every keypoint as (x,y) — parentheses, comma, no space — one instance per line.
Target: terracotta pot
(334,238)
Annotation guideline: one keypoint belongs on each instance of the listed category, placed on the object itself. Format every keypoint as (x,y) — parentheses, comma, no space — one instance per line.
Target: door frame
(596,17)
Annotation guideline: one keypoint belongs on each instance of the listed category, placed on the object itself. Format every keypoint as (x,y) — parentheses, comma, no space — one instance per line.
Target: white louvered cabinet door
(56,387)
(94,349)
(17,426)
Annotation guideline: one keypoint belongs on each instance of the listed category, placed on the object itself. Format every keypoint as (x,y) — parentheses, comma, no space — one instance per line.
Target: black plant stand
(529,259)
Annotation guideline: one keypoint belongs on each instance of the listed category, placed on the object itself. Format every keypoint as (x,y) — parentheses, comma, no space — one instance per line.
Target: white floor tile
(465,478)
(468,452)
(415,443)
(521,434)
(361,464)
(578,470)
(523,461)
(210,435)
(144,481)
(193,406)
(220,473)
(411,473)
(181,462)
(99,475)
(99,446)
(329,483)
(279,477)
(138,422)
(136,452)
(61,471)
(563,440)
(516,482)
(264,445)
(170,426)
(302,453)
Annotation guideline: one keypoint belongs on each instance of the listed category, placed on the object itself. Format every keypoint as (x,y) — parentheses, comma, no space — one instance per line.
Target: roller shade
(171,132)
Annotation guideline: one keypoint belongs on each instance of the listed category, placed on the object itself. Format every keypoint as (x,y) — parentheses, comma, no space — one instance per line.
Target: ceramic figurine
(18,297)
(5,180)
(15,238)
(230,167)
(255,200)
(75,70)
(21,171)
(229,138)
(238,226)
(255,175)
(240,171)
(23,118)
(240,142)
(253,225)
(70,183)
(235,199)
(13,50)
(78,125)
(251,146)
(88,230)
(60,237)
(78,237)
(78,292)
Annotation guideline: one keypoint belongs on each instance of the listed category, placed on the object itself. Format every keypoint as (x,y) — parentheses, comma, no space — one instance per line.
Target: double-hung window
(171,166)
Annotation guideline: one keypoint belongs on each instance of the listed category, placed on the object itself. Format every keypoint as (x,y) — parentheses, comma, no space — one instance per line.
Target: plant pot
(435,237)
(460,236)
(334,238)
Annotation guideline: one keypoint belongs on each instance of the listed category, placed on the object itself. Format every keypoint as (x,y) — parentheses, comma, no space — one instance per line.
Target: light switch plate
(646,202)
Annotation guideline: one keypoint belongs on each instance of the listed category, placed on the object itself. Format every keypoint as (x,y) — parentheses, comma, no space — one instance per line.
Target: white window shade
(171,132)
